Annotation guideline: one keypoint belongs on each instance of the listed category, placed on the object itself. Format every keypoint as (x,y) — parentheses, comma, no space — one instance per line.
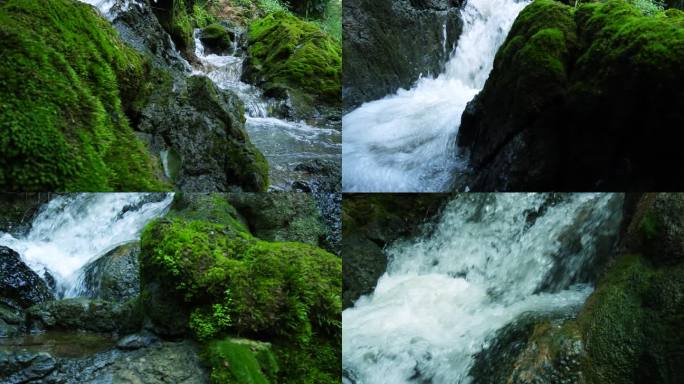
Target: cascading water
(284,143)
(488,259)
(407,142)
(72,230)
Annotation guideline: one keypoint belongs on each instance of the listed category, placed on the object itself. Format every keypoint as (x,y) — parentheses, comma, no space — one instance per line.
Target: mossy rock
(241,361)
(627,332)
(216,38)
(286,52)
(220,280)
(581,98)
(63,76)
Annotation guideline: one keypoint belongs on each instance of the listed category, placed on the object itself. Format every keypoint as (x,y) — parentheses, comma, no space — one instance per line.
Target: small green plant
(648,7)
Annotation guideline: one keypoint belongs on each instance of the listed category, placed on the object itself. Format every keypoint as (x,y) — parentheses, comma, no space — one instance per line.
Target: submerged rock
(388,44)
(585,98)
(19,285)
(115,275)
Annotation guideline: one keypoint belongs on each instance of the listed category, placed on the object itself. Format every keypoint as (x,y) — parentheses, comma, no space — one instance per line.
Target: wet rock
(136,341)
(369,223)
(19,285)
(11,321)
(18,209)
(217,39)
(86,315)
(114,276)
(138,27)
(160,363)
(23,366)
(388,44)
(205,128)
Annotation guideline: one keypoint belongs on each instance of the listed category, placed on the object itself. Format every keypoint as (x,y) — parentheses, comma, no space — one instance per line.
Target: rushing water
(285,143)
(488,259)
(72,230)
(406,142)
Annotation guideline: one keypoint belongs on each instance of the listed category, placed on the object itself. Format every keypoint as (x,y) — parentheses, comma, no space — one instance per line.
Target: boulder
(115,275)
(585,98)
(11,321)
(204,126)
(19,285)
(369,223)
(388,44)
(217,39)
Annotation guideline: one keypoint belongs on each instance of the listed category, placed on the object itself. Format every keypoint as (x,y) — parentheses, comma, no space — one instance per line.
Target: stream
(488,259)
(73,230)
(406,142)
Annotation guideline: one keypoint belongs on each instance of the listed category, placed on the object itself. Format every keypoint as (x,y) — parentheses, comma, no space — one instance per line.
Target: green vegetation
(286,52)
(63,74)
(241,361)
(206,262)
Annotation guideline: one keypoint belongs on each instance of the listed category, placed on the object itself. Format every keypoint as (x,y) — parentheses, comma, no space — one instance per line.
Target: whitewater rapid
(74,229)
(487,260)
(406,142)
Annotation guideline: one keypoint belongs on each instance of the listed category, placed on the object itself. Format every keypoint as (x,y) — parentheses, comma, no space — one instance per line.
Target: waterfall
(406,142)
(488,259)
(74,229)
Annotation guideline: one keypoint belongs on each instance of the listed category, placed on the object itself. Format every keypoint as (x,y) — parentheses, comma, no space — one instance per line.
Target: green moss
(241,362)
(233,283)
(63,75)
(287,52)
(649,226)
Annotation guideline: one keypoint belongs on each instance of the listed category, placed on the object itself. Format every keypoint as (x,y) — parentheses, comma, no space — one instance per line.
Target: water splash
(406,142)
(72,230)
(444,295)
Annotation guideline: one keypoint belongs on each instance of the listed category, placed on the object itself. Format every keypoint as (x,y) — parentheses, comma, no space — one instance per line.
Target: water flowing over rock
(74,229)
(445,294)
(388,44)
(406,142)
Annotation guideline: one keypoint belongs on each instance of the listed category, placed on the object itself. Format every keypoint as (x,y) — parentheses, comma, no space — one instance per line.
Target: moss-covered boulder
(212,278)
(585,98)
(217,38)
(61,113)
(290,55)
